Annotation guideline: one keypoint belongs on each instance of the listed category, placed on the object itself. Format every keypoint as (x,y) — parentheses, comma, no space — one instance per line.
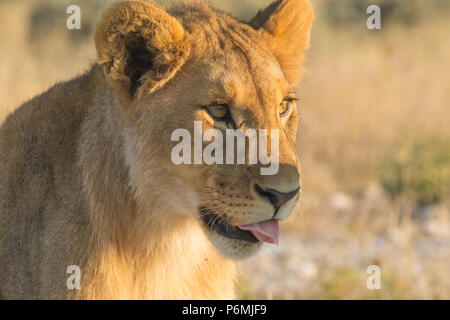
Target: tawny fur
(86,177)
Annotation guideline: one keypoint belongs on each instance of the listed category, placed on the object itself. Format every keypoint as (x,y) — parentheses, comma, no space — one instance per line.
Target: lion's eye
(286,106)
(219,112)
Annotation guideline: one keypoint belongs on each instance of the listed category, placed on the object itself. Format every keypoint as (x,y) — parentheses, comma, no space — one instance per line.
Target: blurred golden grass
(27,70)
(366,92)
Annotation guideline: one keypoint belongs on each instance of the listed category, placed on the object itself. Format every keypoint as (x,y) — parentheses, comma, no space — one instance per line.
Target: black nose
(277,198)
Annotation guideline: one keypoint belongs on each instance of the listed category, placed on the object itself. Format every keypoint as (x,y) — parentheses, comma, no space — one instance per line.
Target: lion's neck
(179,264)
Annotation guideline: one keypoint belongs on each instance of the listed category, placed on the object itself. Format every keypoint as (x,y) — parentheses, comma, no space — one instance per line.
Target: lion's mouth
(215,223)
(266,231)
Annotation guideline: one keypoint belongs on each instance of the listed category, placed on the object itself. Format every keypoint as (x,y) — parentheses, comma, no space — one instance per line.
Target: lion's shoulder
(38,141)
(47,120)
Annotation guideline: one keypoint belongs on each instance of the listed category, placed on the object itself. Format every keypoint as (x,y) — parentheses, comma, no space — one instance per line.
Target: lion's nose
(277,198)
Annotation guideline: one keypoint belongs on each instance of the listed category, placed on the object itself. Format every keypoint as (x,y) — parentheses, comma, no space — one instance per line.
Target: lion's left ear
(288,23)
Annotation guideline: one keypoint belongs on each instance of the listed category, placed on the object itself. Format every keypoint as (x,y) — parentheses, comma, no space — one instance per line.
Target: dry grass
(370,90)
(28,70)
(367,92)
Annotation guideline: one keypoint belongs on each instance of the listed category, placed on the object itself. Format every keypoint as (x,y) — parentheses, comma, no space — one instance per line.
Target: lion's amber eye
(219,112)
(285,107)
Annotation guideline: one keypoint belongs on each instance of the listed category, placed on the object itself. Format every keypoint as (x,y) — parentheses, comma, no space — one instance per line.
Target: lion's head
(191,63)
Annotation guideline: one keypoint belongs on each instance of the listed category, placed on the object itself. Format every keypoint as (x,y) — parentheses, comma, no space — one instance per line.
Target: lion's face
(233,79)
(229,94)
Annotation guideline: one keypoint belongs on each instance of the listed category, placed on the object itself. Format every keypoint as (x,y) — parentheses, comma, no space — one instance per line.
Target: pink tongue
(266,231)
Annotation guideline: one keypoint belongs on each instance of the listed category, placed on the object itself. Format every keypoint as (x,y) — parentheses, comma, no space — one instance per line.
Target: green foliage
(341,284)
(394,286)
(419,169)
(243,289)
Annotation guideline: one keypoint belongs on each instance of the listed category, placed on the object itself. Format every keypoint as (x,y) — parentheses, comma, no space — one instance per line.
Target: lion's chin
(233,248)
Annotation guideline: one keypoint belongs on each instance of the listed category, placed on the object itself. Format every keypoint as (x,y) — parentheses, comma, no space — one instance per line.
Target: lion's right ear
(140,47)
(288,22)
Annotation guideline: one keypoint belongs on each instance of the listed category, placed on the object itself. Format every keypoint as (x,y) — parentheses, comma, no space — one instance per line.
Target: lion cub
(87,181)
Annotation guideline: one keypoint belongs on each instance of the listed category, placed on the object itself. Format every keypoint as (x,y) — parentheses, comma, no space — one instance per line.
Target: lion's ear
(288,23)
(140,47)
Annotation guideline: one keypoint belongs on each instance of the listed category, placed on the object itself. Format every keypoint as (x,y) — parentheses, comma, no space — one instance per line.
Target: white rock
(341,201)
